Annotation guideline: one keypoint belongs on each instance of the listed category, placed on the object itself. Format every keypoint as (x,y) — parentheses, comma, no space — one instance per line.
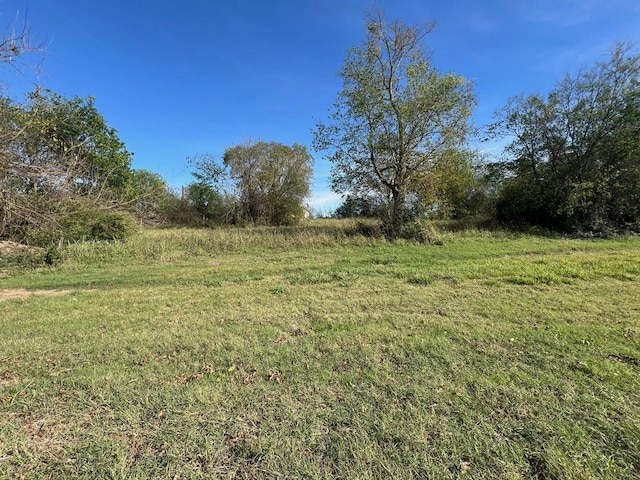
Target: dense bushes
(98,224)
(65,174)
(574,162)
(81,221)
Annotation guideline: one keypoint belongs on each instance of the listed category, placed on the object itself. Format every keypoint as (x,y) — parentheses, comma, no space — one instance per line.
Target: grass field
(312,353)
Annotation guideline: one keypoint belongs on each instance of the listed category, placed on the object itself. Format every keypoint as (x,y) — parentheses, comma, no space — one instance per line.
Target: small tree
(395,119)
(209,203)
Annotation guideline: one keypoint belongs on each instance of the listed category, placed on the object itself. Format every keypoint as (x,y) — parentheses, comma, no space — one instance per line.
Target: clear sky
(180,78)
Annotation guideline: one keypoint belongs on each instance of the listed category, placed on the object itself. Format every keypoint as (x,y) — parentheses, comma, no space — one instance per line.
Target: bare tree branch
(18,44)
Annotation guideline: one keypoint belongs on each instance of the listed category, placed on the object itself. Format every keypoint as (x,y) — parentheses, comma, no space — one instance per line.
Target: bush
(369,229)
(53,256)
(421,231)
(98,224)
(85,223)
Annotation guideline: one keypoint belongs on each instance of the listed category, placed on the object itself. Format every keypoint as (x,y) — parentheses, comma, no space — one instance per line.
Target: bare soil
(14,293)
(12,248)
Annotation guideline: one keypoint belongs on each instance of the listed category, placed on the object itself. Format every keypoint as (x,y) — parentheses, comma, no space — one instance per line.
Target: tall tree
(395,118)
(575,154)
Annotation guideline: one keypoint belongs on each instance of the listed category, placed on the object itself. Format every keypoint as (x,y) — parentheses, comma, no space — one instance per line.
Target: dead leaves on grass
(9,379)
(45,435)
(296,332)
(249,376)
(184,379)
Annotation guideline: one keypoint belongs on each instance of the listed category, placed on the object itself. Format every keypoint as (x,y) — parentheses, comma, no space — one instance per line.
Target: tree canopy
(574,154)
(395,119)
(54,153)
(396,138)
(268,180)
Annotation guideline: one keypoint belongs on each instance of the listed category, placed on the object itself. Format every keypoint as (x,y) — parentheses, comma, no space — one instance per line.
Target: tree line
(397,139)
(66,175)
(399,132)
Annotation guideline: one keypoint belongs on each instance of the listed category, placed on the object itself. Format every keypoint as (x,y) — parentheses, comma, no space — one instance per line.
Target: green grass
(315,353)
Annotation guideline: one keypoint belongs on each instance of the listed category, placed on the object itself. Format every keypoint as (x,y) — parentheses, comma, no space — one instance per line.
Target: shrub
(98,224)
(421,231)
(84,223)
(369,229)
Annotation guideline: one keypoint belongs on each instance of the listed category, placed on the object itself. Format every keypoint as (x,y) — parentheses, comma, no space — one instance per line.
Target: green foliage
(574,157)
(394,121)
(96,224)
(209,204)
(421,231)
(56,156)
(53,256)
(69,138)
(271,179)
(355,207)
(150,198)
(488,179)
(22,257)
(80,221)
(368,229)
(73,220)
(267,181)
(445,190)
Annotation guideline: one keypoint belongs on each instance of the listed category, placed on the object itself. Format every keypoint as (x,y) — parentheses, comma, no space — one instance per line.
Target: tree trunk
(396,216)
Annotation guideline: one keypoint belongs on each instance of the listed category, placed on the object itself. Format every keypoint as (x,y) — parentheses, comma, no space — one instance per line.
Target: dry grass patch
(16,293)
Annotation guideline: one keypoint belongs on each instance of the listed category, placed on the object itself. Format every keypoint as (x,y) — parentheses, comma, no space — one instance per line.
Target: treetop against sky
(177,80)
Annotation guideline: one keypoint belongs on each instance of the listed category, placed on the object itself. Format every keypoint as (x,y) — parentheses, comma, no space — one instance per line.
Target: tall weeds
(181,244)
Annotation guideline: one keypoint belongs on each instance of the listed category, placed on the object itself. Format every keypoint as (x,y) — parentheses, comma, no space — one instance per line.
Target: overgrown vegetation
(312,352)
(398,151)
(574,160)
(323,350)
(66,176)
(397,141)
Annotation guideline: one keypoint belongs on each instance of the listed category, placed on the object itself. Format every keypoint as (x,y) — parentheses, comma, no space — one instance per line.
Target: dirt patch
(13,293)
(9,379)
(13,248)
(46,435)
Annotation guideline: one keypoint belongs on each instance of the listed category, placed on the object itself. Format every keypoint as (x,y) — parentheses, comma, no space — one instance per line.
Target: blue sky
(180,78)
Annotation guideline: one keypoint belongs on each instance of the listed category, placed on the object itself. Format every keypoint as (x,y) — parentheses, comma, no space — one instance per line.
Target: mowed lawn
(310,353)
